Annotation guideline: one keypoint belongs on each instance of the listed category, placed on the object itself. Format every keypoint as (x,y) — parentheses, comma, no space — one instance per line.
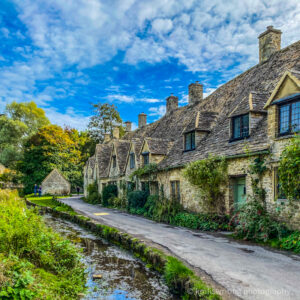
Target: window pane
(295,126)
(193,140)
(236,128)
(284,118)
(146,159)
(178,190)
(245,128)
(188,142)
(132,161)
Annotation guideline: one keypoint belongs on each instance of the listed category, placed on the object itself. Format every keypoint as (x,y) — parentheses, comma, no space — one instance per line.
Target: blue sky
(67,54)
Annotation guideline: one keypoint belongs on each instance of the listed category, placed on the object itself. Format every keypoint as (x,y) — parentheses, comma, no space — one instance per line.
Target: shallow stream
(123,276)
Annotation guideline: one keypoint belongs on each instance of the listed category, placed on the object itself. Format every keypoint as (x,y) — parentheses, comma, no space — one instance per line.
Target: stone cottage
(258,110)
(55,184)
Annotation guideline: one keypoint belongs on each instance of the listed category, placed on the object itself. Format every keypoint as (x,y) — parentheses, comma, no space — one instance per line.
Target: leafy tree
(105,118)
(29,114)
(51,147)
(289,166)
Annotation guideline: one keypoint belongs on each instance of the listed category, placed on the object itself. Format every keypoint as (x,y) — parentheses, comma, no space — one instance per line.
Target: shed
(55,184)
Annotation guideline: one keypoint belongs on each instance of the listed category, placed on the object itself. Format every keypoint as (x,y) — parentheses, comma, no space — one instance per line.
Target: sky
(67,54)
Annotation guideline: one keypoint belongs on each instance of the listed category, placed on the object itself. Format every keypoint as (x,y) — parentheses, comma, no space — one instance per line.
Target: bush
(291,242)
(25,237)
(137,199)
(254,222)
(93,195)
(109,191)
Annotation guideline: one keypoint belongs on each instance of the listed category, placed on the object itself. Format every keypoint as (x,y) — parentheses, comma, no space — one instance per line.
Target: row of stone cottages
(259,109)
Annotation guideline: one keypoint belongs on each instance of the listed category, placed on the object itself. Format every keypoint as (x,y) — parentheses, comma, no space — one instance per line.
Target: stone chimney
(195,92)
(172,103)
(128,126)
(142,120)
(106,137)
(116,132)
(269,43)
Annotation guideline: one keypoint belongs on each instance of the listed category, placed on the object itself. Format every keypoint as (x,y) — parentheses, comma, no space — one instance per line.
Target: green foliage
(209,175)
(137,199)
(24,236)
(291,242)
(146,171)
(93,195)
(289,166)
(108,192)
(105,118)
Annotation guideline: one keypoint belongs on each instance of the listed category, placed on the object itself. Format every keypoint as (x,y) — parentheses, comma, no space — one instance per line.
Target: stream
(123,276)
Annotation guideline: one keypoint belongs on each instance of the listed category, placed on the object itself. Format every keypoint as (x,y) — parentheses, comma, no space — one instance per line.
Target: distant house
(55,184)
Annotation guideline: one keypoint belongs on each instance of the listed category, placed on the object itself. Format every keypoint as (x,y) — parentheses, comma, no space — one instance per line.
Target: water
(123,276)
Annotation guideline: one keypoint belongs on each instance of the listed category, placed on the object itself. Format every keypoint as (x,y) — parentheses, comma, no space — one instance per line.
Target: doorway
(239,191)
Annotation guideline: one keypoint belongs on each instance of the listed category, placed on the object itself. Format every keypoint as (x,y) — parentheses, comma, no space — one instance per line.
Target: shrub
(137,199)
(93,195)
(108,192)
(254,222)
(209,175)
(291,242)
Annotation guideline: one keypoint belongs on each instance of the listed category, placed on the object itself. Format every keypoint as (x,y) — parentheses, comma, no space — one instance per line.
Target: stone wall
(55,184)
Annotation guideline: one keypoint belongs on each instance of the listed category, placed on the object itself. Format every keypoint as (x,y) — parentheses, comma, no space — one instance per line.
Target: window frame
(241,137)
(132,160)
(192,135)
(289,104)
(146,154)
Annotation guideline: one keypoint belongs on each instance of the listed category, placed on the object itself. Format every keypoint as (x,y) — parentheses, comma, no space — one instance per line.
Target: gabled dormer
(132,160)
(283,106)
(113,164)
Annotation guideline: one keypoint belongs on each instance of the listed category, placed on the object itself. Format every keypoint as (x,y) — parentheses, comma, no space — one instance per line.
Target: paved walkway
(250,272)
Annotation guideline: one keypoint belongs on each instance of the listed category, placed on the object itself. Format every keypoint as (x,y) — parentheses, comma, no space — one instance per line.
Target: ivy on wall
(148,171)
(210,176)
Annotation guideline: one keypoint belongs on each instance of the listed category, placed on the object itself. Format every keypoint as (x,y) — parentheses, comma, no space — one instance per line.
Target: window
(279,194)
(175,190)
(240,127)
(114,161)
(289,118)
(132,161)
(146,158)
(145,186)
(189,141)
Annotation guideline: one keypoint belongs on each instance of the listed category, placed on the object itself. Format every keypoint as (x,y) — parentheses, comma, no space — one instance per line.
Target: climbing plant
(289,166)
(210,176)
(148,171)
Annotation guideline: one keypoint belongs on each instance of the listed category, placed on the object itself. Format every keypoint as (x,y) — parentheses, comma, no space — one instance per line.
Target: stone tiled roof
(122,148)
(213,115)
(103,158)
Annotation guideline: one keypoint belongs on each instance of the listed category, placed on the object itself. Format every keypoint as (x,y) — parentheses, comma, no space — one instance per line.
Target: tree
(51,147)
(289,166)
(29,114)
(105,118)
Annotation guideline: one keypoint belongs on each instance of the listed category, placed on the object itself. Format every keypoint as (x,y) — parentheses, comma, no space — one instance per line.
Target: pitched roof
(122,148)
(159,146)
(55,171)
(103,157)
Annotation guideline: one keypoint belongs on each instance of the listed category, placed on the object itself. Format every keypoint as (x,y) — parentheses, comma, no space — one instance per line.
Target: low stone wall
(153,256)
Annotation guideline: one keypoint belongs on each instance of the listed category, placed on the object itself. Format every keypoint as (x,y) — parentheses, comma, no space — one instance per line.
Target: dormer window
(145,158)
(114,161)
(289,118)
(189,141)
(132,160)
(240,127)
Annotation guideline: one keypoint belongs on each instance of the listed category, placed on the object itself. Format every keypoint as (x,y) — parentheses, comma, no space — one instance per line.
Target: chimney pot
(172,103)
(195,92)
(128,126)
(269,43)
(142,120)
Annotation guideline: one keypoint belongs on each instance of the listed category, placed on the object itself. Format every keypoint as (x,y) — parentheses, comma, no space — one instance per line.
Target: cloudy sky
(67,54)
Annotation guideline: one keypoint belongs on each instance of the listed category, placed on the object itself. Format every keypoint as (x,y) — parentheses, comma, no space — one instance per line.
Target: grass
(35,262)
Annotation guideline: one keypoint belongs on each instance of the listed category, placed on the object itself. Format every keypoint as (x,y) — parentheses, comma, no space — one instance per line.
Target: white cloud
(162,26)
(120,98)
(157,111)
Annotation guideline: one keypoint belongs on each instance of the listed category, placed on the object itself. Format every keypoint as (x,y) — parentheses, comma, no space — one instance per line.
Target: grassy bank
(180,279)
(35,262)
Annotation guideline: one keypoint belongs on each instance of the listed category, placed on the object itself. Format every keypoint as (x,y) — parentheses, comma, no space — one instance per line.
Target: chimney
(106,137)
(269,43)
(195,92)
(172,103)
(128,126)
(116,132)
(142,120)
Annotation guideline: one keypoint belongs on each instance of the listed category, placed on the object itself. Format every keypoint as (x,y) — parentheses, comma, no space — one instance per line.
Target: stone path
(247,271)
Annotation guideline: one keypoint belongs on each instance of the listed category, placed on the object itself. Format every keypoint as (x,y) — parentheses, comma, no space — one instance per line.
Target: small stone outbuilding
(55,184)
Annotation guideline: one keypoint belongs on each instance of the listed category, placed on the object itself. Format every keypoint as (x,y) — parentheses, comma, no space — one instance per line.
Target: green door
(239,191)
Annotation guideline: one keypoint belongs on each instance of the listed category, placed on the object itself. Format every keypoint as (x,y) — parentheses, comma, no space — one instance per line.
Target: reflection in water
(123,276)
